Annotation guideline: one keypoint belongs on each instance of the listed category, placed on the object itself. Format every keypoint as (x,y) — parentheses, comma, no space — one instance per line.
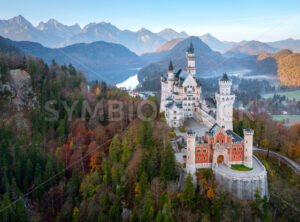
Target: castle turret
(171,71)
(190,152)
(190,55)
(248,144)
(225,101)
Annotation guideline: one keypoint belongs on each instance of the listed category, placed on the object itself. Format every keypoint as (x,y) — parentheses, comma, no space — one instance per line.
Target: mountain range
(107,53)
(100,60)
(249,48)
(54,34)
(209,63)
(215,44)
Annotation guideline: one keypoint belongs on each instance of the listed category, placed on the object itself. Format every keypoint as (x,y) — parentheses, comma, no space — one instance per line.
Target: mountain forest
(91,168)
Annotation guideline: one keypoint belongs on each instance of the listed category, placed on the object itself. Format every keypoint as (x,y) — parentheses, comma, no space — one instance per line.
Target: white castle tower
(248,144)
(190,55)
(190,152)
(167,87)
(171,72)
(225,101)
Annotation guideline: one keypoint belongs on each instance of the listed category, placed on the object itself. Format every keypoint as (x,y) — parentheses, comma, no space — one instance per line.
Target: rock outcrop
(17,98)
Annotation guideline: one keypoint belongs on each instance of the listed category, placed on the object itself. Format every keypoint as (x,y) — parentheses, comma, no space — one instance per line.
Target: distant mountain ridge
(206,60)
(110,62)
(54,34)
(215,44)
(170,34)
(291,44)
(249,48)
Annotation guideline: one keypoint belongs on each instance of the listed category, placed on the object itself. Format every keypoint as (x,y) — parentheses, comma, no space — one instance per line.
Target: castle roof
(171,67)
(235,138)
(174,104)
(210,102)
(248,129)
(214,129)
(225,77)
(191,49)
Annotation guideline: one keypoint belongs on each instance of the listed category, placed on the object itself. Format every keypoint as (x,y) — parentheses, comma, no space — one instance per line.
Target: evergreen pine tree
(148,210)
(189,193)
(116,210)
(6,213)
(167,169)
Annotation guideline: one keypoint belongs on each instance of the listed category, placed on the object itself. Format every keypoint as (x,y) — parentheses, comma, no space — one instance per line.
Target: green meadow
(290,95)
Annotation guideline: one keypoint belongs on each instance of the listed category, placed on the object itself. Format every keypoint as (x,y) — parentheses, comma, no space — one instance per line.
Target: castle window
(198,158)
(234,157)
(234,149)
(217,141)
(240,149)
(203,158)
(204,151)
(198,150)
(240,156)
(222,141)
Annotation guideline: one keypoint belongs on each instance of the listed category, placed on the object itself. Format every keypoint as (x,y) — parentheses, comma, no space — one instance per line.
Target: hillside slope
(288,66)
(109,62)
(249,48)
(214,43)
(207,60)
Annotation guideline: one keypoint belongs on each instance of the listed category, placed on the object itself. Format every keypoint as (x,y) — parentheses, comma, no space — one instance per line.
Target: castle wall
(243,185)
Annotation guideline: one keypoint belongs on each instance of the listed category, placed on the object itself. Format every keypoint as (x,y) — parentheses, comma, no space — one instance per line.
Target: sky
(228,20)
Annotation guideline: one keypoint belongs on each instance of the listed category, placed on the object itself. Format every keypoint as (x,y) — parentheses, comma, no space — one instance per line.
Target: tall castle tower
(190,152)
(167,87)
(190,55)
(248,144)
(171,71)
(225,101)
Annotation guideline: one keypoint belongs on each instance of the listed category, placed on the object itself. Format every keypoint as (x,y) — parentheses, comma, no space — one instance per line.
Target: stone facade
(218,146)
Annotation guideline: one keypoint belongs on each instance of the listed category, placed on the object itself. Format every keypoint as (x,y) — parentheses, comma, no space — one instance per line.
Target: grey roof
(248,129)
(183,74)
(191,48)
(225,77)
(214,129)
(190,131)
(235,138)
(171,67)
(173,103)
(211,113)
(210,102)
(198,82)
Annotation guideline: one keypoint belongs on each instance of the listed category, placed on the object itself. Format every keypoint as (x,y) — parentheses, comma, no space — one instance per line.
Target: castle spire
(171,67)
(225,77)
(191,48)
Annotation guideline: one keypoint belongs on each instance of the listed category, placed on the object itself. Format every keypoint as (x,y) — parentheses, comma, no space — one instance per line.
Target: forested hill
(102,61)
(288,66)
(7,47)
(97,168)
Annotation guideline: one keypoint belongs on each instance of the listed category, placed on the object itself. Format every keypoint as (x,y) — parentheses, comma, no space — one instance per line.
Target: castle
(181,99)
